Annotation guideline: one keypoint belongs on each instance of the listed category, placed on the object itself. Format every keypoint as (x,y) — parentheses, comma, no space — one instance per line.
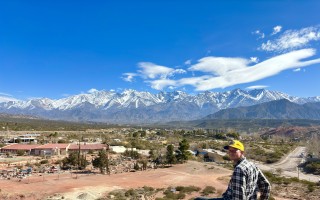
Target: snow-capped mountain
(133,106)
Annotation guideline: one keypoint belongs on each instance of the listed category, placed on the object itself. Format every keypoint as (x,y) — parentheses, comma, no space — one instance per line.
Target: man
(246,179)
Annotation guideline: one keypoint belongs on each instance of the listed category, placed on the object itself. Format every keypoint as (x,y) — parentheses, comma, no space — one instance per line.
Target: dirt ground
(73,187)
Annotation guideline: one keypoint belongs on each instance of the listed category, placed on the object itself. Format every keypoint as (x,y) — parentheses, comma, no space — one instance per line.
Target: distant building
(23,139)
(86,147)
(52,149)
(29,149)
(118,149)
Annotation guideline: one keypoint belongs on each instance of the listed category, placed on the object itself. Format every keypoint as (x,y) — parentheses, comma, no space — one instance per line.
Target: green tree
(183,154)
(136,166)
(144,164)
(132,154)
(20,152)
(74,159)
(71,160)
(102,162)
(152,155)
(233,135)
(143,133)
(171,159)
(135,134)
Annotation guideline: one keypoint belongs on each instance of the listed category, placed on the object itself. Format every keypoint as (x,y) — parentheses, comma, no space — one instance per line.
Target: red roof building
(85,147)
(52,149)
(14,148)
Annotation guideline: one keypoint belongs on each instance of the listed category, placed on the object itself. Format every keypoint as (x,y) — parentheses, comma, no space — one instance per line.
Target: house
(118,149)
(14,148)
(86,147)
(23,139)
(52,149)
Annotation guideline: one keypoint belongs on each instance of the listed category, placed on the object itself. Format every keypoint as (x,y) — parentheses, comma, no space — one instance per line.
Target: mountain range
(133,106)
(278,109)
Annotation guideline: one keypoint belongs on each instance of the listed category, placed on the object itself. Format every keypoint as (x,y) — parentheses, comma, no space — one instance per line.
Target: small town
(160,100)
(32,157)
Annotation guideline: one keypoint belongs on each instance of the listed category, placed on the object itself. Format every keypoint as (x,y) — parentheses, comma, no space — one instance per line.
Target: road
(289,166)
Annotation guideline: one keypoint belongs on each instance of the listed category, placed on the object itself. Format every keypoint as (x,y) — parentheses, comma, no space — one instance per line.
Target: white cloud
(256,87)
(162,83)
(129,77)
(152,71)
(222,72)
(171,87)
(4,97)
(92,90)
(187,62)
(254,59)
(192,80)
(219,65)
(297,70)
(276,30)
(259,33)
(177,71)
(292,39)
(259,71)
(5,94)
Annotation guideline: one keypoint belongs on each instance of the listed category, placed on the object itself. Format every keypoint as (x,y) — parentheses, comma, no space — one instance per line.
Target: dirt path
(289,166)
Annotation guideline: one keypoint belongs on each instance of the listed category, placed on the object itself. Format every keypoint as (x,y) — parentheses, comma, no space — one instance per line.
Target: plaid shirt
(246,181)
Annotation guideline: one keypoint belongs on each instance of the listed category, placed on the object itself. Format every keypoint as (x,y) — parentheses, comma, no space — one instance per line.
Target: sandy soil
(72,187)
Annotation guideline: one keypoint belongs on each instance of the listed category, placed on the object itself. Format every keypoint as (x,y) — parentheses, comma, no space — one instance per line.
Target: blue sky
(56,49)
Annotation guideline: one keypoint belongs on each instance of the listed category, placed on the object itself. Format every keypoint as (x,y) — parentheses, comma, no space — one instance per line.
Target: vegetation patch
(292,188)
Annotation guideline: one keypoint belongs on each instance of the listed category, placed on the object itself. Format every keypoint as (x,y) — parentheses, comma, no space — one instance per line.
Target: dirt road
(289,166)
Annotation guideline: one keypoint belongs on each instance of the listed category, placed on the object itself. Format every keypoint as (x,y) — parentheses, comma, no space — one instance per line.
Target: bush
(118,195)
(208,190)
(130,192)
(226,157)
(312,167)
(42,162)
(310,188)
(20,152)
(170,195)
(188,189)
(148,189)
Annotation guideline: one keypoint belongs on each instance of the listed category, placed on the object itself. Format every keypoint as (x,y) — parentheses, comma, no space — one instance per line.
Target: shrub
(42,162)
(188,189)
(130,192)
(20,152)
(226,157)
(312,167)
(148,189)
(208,190)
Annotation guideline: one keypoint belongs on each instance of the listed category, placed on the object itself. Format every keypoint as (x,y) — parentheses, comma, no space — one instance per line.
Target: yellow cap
(235,144)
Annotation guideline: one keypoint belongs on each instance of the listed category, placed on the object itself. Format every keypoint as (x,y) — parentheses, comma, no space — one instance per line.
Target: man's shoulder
(245,164)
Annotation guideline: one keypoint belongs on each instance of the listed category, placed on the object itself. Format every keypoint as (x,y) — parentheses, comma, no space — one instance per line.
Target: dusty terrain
(67,186)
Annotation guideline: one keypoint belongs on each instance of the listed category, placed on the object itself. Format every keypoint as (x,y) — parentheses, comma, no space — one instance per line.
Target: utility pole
(79,155)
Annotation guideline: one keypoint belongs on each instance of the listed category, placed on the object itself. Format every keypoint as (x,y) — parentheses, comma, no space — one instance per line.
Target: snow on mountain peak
(130,98)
